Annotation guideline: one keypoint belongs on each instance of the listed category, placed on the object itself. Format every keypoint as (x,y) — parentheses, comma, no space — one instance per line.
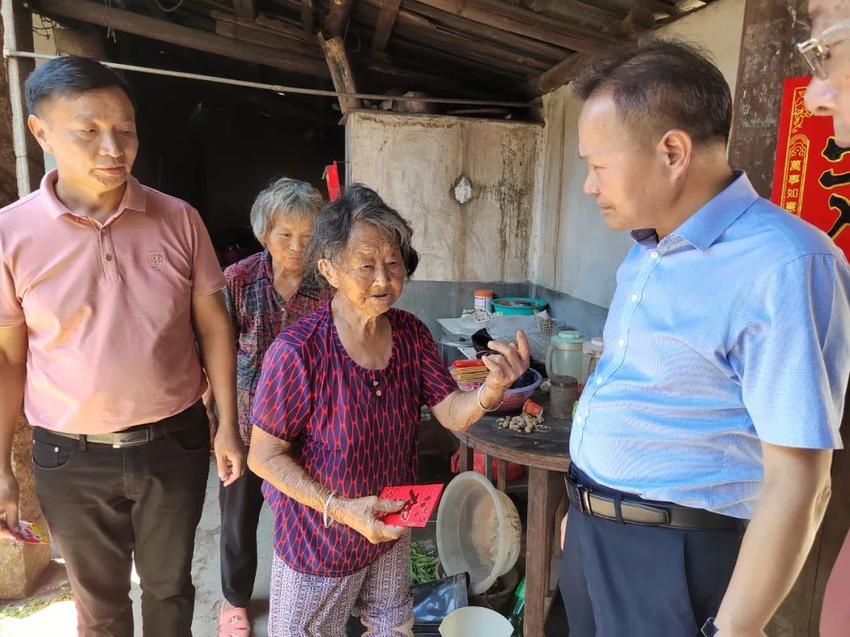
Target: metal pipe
(277,88)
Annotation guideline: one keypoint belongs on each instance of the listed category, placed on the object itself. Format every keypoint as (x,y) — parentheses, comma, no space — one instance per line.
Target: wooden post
(767,57)
(340,69)
(337,19)
(17,35)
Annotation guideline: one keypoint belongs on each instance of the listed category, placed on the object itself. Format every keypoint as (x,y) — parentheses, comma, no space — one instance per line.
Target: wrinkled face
(91,135)
(624,174)
(286,240)
(370,274)
(831,95)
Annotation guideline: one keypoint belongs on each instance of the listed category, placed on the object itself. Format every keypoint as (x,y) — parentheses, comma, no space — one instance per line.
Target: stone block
(21,565)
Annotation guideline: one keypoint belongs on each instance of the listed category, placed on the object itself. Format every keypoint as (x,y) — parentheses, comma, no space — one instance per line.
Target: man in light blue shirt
(719,395)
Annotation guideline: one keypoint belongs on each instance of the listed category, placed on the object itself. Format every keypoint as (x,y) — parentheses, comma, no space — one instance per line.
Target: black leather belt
(630,509)
(139,434)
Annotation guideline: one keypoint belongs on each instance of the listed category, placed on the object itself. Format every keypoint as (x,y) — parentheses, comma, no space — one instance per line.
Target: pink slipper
(234,622)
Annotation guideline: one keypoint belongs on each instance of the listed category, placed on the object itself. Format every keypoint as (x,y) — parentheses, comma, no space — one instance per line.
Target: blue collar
(705,226)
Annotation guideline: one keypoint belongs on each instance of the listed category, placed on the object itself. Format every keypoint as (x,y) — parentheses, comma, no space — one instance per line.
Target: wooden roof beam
(245,9)
(337,18)
(144,26)
(521,21)
(340,70)
(307,17)
(384,26)
(480,31)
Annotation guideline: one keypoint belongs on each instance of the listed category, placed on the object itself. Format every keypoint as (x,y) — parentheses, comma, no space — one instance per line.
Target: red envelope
(419,503)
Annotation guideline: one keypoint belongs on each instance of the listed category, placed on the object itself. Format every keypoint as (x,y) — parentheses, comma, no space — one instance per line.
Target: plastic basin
(478,531)
(474,621)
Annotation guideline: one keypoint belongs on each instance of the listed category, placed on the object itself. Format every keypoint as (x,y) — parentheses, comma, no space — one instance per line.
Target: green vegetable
(424,567)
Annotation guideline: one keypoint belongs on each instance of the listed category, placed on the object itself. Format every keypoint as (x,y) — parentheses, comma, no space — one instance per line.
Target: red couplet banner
(811,177)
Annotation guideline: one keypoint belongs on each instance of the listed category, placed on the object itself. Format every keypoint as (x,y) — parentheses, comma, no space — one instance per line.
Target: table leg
(466,457)
(488,467)
(544,493)
(501,474)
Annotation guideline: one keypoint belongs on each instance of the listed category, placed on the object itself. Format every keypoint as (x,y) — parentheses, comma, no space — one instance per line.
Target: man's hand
(563,531)
(229,455)
(8,505)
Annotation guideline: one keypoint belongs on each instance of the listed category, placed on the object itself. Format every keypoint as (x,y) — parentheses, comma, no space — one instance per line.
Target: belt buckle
(131,440)
(584,498)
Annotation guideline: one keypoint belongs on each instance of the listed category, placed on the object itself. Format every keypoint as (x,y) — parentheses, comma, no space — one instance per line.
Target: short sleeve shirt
(107,307)
(732,331)
(259,313)
(353,429)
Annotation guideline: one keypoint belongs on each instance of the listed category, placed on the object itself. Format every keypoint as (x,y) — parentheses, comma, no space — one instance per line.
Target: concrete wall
(574,251)
(414,161)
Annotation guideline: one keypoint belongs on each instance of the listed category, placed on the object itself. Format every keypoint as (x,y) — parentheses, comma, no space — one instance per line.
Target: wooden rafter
(483,32)
(384,26)
(307,16)
(340,70)
(129,22)
(245,9)
(523,22)
(419,30)
(337,19)
(557,76)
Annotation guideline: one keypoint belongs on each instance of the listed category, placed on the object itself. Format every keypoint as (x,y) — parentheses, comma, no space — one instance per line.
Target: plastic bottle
(518,612)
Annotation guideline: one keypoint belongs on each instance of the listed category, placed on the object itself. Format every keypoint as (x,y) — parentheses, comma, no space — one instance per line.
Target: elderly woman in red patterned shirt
(335,420)
(264,293)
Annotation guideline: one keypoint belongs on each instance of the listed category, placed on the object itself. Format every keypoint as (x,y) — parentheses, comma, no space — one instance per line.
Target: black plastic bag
(433,601)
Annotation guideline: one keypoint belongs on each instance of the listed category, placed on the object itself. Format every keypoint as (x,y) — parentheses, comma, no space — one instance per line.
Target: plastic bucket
(474,621)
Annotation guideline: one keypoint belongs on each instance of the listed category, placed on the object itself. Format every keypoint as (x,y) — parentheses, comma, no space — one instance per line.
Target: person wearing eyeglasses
(827,53)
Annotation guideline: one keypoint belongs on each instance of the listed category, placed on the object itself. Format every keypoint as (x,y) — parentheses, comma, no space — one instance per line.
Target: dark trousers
(240,505)
(621,580)
(110,507)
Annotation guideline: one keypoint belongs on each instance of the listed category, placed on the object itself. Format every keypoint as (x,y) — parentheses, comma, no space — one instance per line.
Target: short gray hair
(336,222)
(283,196)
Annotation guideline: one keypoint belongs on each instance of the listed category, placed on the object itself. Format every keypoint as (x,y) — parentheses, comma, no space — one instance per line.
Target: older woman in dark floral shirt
(335,420)
(264,293)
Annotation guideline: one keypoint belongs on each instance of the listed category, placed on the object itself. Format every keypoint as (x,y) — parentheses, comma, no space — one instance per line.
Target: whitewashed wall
(413,161)
(573,251)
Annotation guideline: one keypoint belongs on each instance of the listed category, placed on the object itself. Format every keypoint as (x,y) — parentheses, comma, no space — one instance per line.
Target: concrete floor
(59,618)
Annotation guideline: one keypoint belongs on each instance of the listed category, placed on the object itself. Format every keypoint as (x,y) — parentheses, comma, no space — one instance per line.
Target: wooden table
(546,454)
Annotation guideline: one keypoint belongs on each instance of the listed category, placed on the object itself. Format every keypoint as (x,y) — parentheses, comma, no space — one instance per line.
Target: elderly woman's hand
(509,363)
(361,514)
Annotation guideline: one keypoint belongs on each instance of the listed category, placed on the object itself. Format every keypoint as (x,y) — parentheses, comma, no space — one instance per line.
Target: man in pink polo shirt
(105,287)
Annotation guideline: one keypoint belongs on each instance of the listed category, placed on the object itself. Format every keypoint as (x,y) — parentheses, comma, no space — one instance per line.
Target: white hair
(283,196)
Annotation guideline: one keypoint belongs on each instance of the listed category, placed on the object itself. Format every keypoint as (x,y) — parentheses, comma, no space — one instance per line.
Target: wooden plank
(419,30)
(558,75)
(129,22)
(521,21)
(17,36)
(263,37)
(767,57)
(479,31)
(245,9)
(307,17)
(275,26)
(337,18)
(384,26)
(466,457)
(340,71)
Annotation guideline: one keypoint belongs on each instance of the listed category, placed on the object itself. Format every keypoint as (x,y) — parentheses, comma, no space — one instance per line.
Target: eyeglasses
(816,51)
